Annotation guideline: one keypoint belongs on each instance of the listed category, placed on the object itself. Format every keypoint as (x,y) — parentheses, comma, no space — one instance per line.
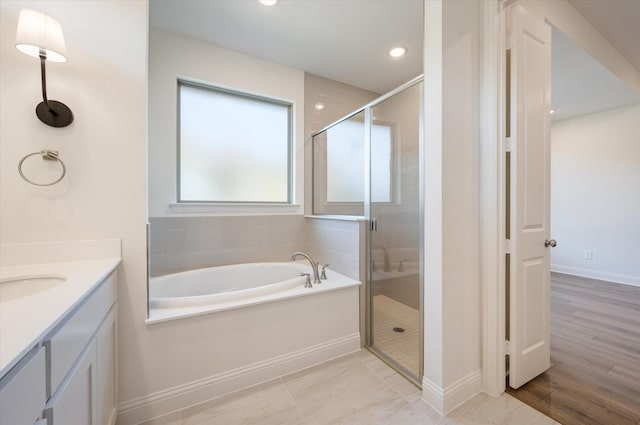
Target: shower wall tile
(338,100)
(338,244)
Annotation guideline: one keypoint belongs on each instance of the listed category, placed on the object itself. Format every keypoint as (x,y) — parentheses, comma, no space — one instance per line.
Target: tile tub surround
(354,389)
(187,243)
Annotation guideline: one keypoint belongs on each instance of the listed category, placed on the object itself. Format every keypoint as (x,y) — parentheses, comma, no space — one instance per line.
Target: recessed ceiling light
(553,111)
(397,52)
(319,106)
(268,2)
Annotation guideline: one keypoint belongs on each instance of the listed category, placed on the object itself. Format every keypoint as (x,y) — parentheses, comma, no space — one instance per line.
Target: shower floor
(403,347)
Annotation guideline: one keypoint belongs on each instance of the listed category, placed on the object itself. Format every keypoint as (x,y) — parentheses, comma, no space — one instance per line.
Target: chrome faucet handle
(401,265)
(323,275)
(307,282)
(312,262)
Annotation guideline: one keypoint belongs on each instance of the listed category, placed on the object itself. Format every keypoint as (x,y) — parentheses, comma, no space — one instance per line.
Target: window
(233,147)
(345,162)
(339,166)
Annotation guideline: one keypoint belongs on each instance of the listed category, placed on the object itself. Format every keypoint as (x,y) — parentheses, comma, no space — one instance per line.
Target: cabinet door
(22,390)
(67,342)
(106,369)
(74,403)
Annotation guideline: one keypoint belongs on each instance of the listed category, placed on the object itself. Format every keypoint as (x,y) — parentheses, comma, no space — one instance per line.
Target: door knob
(550,243)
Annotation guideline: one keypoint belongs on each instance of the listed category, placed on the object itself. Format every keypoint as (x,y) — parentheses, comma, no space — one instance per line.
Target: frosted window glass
(381,145)
(233,147)
(345,162)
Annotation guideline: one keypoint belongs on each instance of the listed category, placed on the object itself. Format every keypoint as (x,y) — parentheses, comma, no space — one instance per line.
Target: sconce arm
(43,77)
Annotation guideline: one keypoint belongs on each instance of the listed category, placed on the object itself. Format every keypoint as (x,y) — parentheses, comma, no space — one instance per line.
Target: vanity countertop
(24,320)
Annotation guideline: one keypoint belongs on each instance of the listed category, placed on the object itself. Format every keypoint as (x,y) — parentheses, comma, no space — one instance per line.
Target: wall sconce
(40,36)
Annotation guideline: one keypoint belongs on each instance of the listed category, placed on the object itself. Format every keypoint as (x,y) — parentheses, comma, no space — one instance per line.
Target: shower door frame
(416,380)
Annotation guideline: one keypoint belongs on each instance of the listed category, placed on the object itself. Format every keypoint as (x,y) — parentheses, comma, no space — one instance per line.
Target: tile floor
(402,347)
(357,389)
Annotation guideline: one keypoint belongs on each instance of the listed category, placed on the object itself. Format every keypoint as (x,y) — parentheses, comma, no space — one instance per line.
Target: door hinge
(507,246)
(507,144)
(510,42)
(507,347)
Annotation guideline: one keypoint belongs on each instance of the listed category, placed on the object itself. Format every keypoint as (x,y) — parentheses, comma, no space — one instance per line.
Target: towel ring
(47,155)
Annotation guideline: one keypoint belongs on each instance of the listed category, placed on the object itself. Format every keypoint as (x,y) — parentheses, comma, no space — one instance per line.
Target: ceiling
(344,40)
(618,21)
(580,85)
(348,40)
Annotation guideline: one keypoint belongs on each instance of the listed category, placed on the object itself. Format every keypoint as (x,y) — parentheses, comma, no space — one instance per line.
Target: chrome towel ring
(47,155)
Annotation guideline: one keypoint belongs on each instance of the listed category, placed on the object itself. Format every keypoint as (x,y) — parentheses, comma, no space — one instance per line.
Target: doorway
(592,322)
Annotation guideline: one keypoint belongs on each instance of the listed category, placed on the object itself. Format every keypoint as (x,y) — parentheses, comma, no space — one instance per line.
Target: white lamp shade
(39,32)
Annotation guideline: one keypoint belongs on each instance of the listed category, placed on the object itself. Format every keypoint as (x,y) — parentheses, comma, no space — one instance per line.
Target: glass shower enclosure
(369,164)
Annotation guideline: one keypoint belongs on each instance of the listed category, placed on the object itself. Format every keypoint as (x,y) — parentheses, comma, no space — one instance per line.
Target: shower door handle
(374,225)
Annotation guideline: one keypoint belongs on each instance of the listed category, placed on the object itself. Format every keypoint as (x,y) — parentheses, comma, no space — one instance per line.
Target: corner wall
(595,195)
(452,369)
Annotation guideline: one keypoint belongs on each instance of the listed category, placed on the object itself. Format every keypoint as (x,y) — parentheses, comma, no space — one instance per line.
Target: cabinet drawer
(65,344)
(22,390)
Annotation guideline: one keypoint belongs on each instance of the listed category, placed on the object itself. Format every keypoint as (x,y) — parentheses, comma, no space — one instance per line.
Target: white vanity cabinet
(81,359)
(69,377)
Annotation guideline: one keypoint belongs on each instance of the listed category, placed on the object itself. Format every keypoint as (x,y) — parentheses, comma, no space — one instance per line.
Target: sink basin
(12,288)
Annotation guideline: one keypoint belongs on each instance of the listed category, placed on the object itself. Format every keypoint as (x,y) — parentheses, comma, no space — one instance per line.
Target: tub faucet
(323,273)
(401,265)
(314,265)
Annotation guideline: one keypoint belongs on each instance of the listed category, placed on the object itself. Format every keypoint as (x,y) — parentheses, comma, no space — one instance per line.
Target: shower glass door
(394,294)
(369,164)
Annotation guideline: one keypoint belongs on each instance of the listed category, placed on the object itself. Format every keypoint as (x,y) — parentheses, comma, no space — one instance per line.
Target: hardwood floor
(595,355)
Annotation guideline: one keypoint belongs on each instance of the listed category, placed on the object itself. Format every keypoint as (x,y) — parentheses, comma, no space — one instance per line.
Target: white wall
(172,56)
(595,195)
(104,193)
(452,270)
(103,149)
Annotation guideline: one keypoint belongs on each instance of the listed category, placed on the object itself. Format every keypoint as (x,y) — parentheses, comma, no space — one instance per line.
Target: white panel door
(530,98)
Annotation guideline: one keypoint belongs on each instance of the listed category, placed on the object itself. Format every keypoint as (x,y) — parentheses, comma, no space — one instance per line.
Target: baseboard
(597,274)
(173,399)
(444,400)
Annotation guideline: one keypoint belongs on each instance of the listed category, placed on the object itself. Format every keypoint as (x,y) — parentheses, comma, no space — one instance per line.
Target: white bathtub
(226,287)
